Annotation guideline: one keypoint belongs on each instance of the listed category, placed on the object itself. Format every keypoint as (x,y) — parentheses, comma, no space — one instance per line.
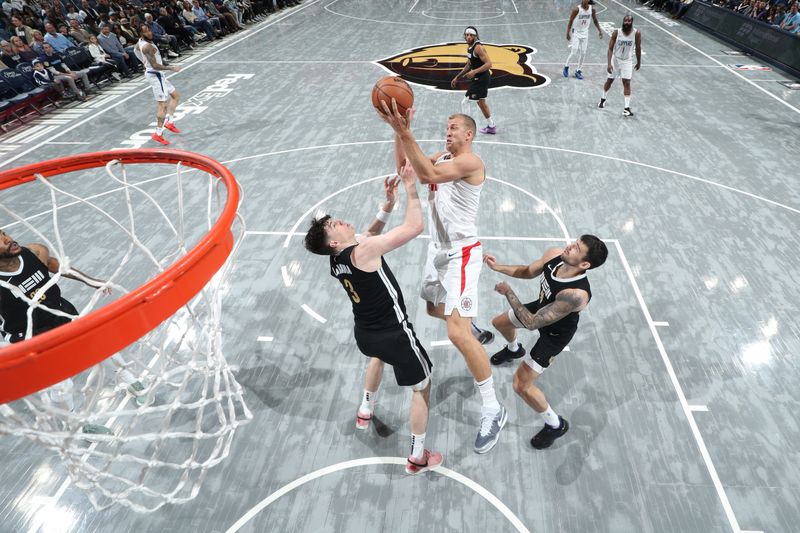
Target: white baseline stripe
(661,324)
(699,408)
(314,314)
(266,25)
(726,505)
(262,338)
(488,496)
(763,90)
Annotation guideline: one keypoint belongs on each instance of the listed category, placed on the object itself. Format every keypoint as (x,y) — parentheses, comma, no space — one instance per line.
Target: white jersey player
(165,94)
(578,34)
(455,179)
(621,49)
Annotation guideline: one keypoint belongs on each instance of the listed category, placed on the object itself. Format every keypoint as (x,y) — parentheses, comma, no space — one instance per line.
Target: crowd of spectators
(781,14)
(44,39)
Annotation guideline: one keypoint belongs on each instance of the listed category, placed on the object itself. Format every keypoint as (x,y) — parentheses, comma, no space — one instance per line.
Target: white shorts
(579,43)
(162,88)
(451,277)
(621,69)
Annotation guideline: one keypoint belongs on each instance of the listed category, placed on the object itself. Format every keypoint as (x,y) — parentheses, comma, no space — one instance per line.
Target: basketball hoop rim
(51,357)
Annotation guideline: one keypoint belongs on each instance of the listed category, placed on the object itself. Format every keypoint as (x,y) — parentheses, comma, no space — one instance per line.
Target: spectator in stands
(9,56)
(55,39)
(89,13)
(161,36)
(744,8)
(123,57)
(10,6)
(53,17)
(19,29)
(38,42)
(44,78)
(78,33)
(201,24)
(65,32)
(72,14)
(175,25)
(791,22)
(127,32)
(780,14)
(22,49)
(61,72)
(233,9)
(202,15)
(223,16)
(100,58)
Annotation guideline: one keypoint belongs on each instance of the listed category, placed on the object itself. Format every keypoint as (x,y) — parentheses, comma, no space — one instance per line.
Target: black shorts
(45,321)
(549,346)
(479,86)
(398,346)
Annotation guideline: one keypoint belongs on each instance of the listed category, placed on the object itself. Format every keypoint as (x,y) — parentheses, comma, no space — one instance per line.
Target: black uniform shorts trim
(51,322)
(550,343)
(398,346)
(479,86)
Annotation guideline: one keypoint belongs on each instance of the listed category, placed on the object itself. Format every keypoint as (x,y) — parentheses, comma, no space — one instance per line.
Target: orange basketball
(390,87)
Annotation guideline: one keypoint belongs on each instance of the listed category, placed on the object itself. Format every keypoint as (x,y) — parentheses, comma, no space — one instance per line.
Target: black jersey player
(563,292)
(477,71)
(382,330)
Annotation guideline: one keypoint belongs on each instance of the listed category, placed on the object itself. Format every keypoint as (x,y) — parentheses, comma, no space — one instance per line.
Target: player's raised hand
(390,188)
(502,288)
(407,173)
(490,260)
(393,117)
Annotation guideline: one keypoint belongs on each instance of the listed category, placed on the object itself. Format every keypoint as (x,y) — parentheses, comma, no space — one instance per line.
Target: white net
(143,428)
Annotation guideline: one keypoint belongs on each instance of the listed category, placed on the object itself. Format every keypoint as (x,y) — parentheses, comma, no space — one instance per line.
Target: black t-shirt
(376,296)
(549,287)
(31,277)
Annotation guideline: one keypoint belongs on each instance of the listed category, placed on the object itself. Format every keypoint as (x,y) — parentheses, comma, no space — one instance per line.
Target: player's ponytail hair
(316,240)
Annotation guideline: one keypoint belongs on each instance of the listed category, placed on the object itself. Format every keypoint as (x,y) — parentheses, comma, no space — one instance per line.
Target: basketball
(390,87)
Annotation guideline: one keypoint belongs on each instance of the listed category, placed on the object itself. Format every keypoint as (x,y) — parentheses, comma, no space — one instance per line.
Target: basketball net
(181,422)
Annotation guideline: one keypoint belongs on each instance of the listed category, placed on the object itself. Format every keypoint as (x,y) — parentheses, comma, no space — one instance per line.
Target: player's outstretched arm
(41,251)
(567,301)
(530,271)
(368,253)
(150,53)
(390,189)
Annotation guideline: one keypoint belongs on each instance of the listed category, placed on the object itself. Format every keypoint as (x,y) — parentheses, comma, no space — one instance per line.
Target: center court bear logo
(436,64)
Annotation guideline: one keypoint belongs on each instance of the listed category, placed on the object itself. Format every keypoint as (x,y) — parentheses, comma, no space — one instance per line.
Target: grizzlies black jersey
(474,60)
(549,287)
(376,296)
(31,277)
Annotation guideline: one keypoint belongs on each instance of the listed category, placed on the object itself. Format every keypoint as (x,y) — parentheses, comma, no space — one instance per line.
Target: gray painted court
(681,383)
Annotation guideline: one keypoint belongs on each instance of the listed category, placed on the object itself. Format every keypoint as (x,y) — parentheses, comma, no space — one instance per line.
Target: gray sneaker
(489,433)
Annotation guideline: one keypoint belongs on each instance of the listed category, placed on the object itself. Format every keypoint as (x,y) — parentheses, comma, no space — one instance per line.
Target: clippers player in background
(455,179)
(578,34)
(477,71)
(165,94)
(382,329)
(620,61)
(24,273)
(563,293)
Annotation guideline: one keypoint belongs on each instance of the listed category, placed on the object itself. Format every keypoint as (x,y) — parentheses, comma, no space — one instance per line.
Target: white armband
(383,216)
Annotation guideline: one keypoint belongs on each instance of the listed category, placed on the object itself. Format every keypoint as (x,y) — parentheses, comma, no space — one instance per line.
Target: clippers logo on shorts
(466,304)
(436,64)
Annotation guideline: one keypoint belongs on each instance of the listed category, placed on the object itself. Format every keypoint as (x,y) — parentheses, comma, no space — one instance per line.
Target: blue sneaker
(579,74)
(566,72)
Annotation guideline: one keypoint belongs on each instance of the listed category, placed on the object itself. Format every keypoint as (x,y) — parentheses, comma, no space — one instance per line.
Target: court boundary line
(369,461)
(679,39)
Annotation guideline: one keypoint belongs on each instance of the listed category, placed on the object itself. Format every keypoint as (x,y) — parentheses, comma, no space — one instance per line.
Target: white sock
(465,106)
(513,345)
(417,446)
(367,402)
(167,119)
(159,130)
(491,122)
(627,101)
(487,394)
(580,60)
(605,94)
(551,418)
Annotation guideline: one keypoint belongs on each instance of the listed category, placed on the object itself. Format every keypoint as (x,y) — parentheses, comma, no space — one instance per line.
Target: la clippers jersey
(453,212)
(580,25)
(624,46)
(137,50)
(30,277)
(549,287)
(376,296)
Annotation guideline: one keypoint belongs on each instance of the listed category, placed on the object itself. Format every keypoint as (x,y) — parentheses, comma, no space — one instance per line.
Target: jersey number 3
(353,294)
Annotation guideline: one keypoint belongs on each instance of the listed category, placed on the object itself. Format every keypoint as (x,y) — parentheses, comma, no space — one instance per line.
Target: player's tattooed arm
(150,53)
(566,302)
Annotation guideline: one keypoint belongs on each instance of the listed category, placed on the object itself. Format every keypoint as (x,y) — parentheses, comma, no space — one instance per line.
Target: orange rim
(53,356)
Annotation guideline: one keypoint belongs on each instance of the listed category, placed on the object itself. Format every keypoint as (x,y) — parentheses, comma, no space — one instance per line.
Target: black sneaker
(505,355)
(602,103)
(627,112)
(484,336)
(548,434)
